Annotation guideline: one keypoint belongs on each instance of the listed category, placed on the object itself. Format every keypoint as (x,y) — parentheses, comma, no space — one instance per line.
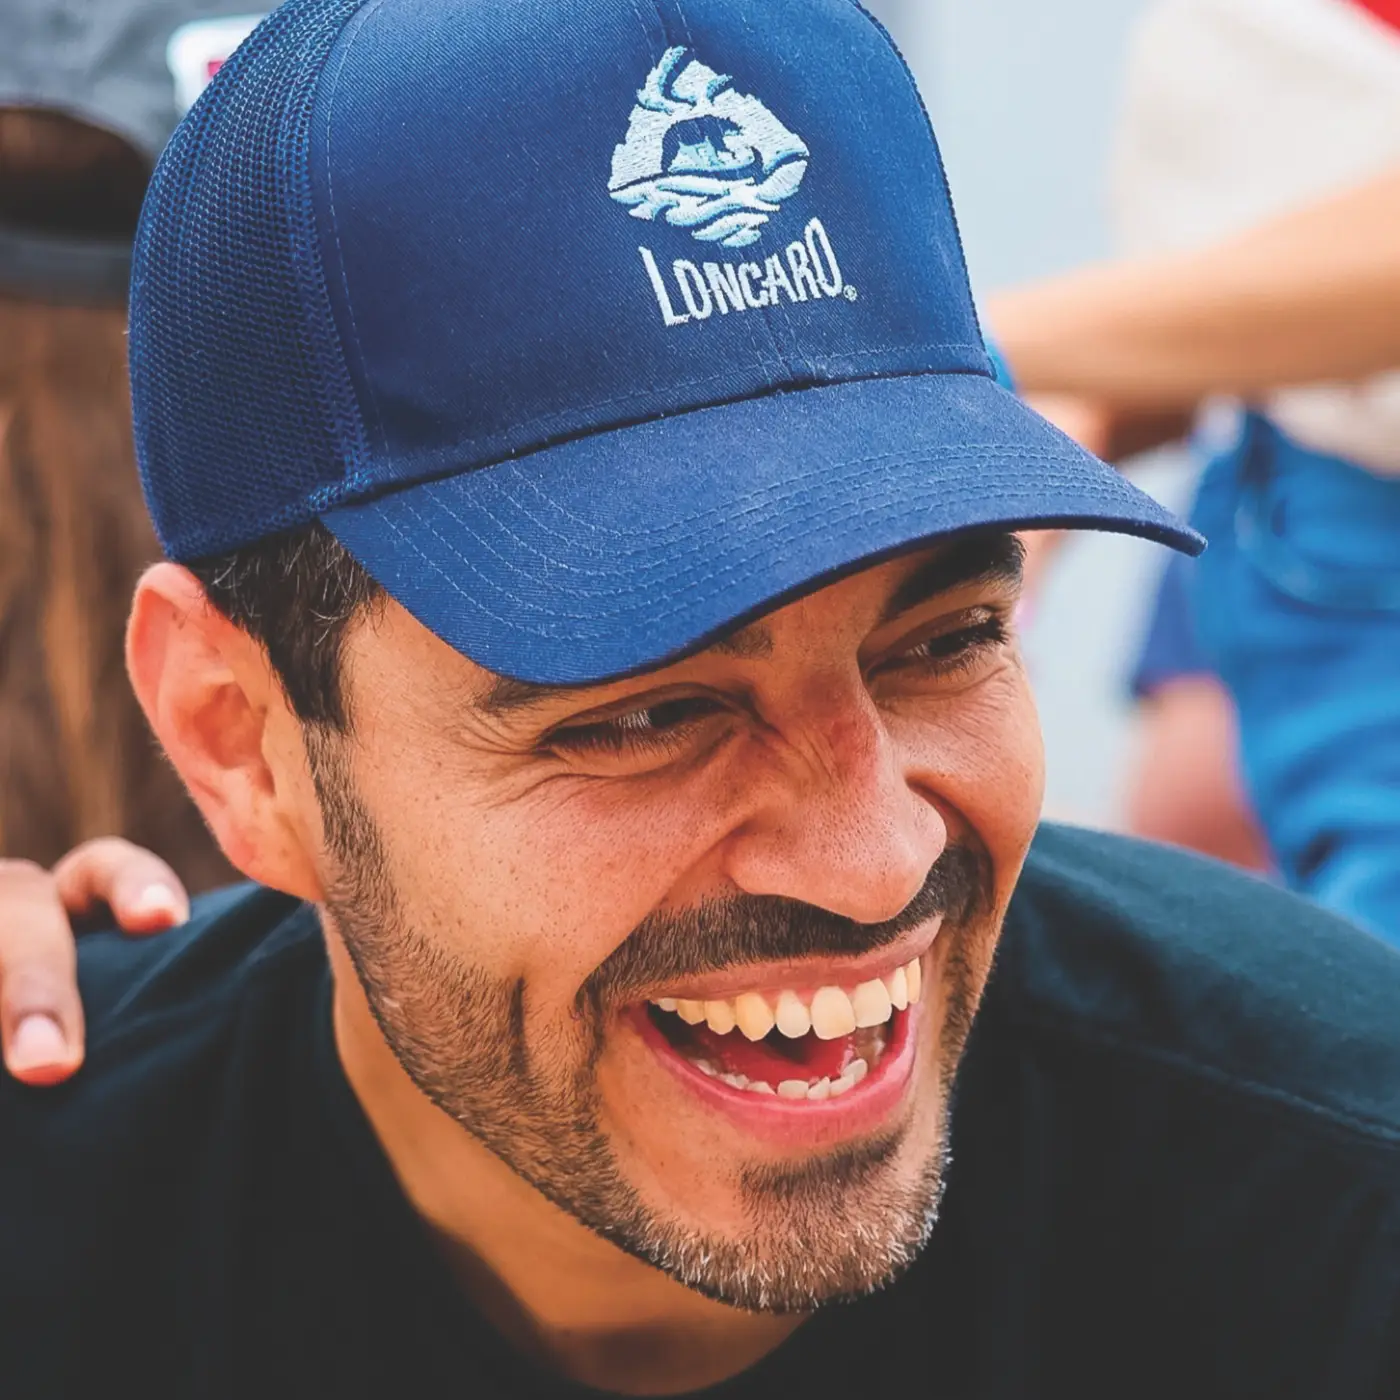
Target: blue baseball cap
(591,328)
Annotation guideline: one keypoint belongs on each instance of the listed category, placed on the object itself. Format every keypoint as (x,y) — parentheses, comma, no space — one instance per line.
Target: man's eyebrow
(751,643)
(978,559)
(506,695)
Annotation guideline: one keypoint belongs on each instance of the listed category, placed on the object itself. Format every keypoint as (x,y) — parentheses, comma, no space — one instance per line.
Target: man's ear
(214,703)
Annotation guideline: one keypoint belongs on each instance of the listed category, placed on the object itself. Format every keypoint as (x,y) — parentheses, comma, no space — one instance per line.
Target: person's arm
(41,1015)
(1308,297)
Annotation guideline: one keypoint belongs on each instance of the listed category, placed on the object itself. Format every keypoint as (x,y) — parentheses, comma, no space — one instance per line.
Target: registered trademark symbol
(851,294)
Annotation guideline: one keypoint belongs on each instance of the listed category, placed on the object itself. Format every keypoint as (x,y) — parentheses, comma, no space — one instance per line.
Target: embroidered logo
(704,157)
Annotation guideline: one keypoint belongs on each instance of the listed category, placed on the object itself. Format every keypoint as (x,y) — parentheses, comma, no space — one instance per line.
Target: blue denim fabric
(1170,647)
(1297,605)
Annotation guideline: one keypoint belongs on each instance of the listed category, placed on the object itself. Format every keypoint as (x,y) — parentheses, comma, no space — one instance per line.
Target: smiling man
(588,618)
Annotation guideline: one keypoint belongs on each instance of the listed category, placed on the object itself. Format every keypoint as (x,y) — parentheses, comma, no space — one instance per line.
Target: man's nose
(841,823)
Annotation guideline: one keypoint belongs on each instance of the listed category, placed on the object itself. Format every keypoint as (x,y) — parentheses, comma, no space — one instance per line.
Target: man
(592,630)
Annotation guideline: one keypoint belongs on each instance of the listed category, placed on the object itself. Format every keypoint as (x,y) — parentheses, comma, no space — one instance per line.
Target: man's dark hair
(296,594)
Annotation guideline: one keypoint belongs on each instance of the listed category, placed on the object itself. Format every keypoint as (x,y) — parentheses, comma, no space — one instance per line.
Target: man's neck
(558,1292)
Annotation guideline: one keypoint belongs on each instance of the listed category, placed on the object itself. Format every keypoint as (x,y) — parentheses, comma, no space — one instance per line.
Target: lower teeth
(816,1089)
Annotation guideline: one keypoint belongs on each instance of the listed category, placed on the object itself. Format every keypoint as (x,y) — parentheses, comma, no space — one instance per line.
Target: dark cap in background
(128,67)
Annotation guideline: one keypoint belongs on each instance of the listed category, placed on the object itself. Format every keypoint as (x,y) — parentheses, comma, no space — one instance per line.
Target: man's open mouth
(795,1044)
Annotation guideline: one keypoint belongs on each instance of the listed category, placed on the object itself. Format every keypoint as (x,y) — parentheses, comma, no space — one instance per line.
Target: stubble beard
(823,1229)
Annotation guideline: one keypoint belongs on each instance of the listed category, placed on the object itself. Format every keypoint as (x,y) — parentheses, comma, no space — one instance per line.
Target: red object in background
(1387,11)
(213,67)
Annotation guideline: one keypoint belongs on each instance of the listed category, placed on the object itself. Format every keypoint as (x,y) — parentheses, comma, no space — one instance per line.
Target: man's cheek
(558,898)
(985,758)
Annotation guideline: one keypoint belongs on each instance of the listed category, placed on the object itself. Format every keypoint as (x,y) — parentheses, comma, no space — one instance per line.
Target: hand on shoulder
(41,1015)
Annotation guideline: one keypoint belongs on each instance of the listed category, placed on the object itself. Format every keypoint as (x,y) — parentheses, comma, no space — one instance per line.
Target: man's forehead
(914,579)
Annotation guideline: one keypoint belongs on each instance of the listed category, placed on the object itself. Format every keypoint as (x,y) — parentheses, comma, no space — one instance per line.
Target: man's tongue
(774,1058)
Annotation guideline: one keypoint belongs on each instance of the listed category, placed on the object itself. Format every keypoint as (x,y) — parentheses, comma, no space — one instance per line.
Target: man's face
(695,953)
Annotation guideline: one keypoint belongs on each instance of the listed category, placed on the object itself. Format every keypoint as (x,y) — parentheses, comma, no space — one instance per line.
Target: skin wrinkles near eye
(664,725)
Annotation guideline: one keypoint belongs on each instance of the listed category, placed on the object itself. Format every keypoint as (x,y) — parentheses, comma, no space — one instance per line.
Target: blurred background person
(86,102)
(1028,100)
(1184,785)
(1258,190)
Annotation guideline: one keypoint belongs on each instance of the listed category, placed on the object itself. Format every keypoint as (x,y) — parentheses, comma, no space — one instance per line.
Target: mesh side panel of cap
(246,421)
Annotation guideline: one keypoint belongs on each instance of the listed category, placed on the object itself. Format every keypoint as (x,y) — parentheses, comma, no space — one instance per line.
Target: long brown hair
(76,758)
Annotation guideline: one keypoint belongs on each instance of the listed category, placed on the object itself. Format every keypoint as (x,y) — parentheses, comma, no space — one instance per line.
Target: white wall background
(1023,95)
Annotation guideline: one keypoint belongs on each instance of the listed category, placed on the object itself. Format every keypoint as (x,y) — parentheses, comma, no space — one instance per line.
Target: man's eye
(662,726)
(950,652)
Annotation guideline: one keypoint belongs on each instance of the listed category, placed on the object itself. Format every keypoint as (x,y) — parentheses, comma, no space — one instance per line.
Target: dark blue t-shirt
(1176,1173)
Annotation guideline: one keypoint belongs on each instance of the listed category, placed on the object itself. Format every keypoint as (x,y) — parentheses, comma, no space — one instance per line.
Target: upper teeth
(829,1012)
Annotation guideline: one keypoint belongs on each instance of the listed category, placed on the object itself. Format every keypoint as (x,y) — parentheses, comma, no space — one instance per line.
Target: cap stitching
(363,486)
(745,556)
(787,359)
(772,498)
(651,565)
(865,466)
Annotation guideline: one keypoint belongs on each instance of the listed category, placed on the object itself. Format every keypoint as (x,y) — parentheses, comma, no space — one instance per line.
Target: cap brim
(611,553)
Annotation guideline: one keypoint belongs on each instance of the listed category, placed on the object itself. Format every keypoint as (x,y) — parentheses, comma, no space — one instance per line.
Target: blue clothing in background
(1297,608)
(1170,647)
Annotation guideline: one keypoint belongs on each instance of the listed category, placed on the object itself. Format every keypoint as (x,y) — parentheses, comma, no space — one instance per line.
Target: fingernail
(158,901)
(38,1042)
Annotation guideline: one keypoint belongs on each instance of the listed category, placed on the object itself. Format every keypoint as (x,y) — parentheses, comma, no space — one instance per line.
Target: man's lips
(798,1051)
(794,1047)
(794,1122)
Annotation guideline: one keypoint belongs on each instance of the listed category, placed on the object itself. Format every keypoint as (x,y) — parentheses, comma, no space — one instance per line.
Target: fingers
(144,893)
(41,1016)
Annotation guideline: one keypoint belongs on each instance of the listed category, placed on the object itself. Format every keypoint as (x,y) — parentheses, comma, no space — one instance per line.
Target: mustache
(727,933)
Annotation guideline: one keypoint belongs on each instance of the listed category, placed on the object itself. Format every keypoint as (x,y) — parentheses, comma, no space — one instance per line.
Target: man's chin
(835,1226)
(782,1206)
(784,1203)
